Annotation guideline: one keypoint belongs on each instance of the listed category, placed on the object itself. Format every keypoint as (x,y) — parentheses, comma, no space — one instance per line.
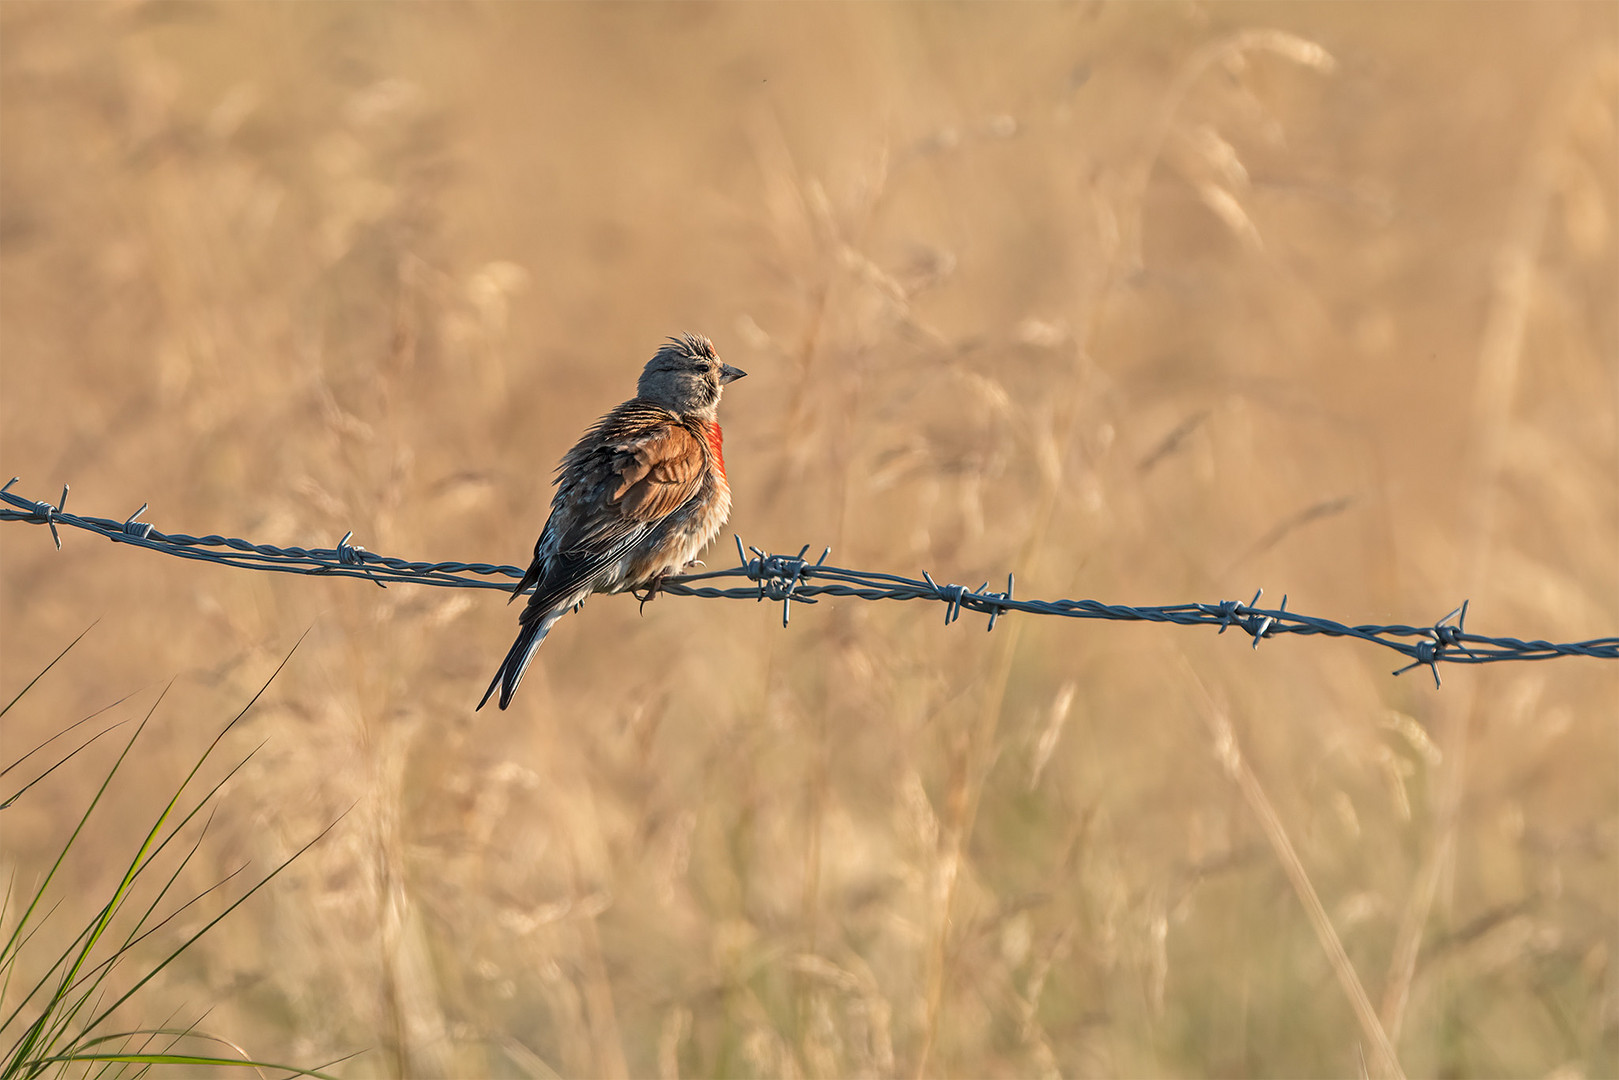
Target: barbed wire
(790,578)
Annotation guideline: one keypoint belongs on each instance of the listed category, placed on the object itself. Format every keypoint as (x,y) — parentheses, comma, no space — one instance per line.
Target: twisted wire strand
(793,578)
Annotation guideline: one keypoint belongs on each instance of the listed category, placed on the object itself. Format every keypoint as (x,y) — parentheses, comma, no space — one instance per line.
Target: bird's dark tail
(528,642)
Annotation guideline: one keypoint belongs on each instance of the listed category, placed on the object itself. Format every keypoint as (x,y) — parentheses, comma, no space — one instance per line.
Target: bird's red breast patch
(716,443)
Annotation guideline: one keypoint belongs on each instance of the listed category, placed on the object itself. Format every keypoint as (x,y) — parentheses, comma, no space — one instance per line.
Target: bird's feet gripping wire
(648,592)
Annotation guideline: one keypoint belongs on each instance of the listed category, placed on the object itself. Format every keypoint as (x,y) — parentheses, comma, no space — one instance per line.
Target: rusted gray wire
(790,578)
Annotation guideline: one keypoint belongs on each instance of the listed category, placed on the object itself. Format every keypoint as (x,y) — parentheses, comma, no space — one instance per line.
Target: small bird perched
(637,498)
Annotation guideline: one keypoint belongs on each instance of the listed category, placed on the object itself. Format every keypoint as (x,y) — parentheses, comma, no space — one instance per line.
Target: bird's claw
(650,590)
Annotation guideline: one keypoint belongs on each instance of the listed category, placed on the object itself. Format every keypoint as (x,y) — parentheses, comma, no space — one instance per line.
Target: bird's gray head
(686,377)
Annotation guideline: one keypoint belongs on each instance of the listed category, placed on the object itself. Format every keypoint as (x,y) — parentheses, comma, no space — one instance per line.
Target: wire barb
(43,512)
(778,575)
(792,578)
(354,555)
(1441,636)
(132,527)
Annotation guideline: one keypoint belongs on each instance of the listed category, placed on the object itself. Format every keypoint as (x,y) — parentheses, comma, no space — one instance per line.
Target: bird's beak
(730,374)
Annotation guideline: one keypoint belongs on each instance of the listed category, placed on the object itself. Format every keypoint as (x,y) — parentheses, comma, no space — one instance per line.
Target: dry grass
(1147,303)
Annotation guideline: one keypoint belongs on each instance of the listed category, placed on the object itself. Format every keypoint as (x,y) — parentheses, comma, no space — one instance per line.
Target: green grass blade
(183,1059)
(146,851)
(20,792)
(48,666)
(70,728)
(53,1018)
(8,952)
(149,976)
(75,985)
(154,928)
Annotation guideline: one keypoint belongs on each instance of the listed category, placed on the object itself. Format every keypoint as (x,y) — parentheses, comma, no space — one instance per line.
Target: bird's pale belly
(687,532)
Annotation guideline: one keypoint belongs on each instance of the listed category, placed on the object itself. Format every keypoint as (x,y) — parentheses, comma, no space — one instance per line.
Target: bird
(638,497)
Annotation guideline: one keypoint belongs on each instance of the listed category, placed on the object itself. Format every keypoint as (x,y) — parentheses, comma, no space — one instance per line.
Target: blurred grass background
(1148,303)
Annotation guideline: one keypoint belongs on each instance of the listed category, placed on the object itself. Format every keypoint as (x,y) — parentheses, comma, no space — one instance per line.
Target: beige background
(1148,303)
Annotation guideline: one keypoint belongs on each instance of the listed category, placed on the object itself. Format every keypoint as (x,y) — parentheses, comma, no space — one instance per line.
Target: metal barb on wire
(778,575)
(47,513)
(996,609)
(952,595)
(1259,624)
(132,527)
(792,578)
(1441,636)
(354,555)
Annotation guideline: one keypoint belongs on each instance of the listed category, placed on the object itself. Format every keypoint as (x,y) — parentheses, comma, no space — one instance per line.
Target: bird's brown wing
(658,471)
(637,466)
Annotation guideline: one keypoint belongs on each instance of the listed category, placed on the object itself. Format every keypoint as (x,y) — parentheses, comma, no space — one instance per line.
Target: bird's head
(686,377)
